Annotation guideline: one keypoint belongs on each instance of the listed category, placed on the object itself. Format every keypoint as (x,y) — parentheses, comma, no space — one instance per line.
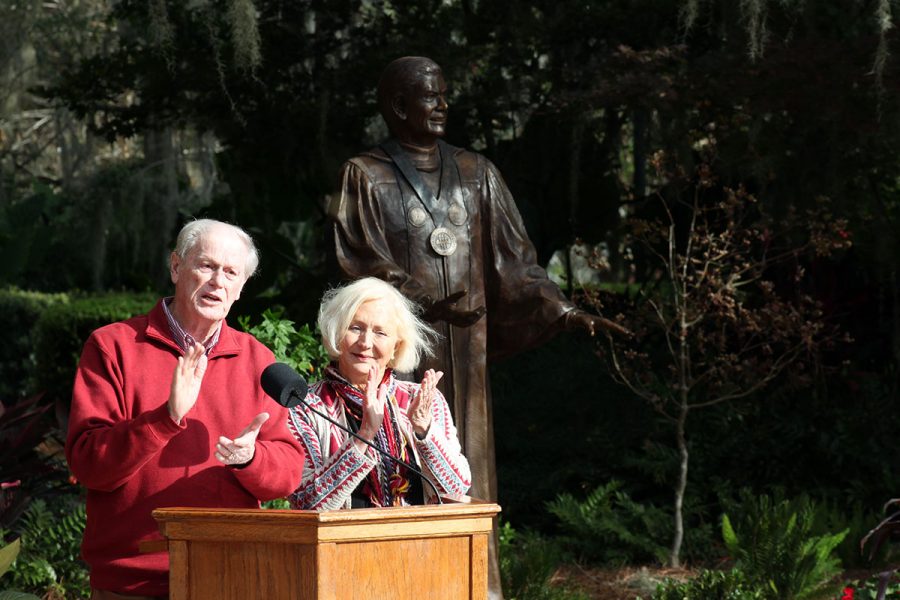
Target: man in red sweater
(167,410)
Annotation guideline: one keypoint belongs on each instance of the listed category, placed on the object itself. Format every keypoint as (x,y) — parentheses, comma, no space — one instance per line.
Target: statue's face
(423,110)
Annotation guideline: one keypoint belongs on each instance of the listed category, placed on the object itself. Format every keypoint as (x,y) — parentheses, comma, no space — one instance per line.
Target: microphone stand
(370,445)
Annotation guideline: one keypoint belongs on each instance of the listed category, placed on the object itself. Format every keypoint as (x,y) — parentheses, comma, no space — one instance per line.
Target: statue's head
(412,100)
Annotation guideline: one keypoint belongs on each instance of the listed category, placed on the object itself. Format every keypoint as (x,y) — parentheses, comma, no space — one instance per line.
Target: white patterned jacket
(333,466)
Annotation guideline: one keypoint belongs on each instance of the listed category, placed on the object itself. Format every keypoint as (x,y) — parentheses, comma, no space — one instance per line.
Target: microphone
(285,385)
(288,388)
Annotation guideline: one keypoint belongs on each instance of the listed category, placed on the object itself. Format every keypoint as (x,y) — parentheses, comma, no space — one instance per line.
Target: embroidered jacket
(333,466)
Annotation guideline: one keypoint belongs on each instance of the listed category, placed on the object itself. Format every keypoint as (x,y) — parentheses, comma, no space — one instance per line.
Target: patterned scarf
(387,484)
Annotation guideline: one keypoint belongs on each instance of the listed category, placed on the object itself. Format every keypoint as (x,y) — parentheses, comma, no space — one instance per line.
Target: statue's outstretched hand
(446,310)
(579,319)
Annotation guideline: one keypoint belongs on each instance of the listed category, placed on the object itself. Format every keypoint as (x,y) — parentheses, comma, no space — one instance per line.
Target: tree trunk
(678,538)
(895,317)
(640,119)
(161,202)
(576,135)
(62,124)
(99,242)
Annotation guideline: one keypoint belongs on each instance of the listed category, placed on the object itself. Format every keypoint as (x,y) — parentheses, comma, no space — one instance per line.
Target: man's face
(209,279)
(425,107)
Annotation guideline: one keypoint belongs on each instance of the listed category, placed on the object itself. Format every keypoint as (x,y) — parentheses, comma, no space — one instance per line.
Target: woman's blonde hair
(339,306)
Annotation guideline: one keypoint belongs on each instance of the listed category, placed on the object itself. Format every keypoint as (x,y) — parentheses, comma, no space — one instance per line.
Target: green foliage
(99,236)
(834,515)
(603,429)
(8,554)
(62,329)
(19,312)
(773,542)
(609,527)
(835,437)
(49,557)
(276,504)
(710,585)
(527,564)
(709,327)
(31,457)
(867,589)
(299,348)
(549,90)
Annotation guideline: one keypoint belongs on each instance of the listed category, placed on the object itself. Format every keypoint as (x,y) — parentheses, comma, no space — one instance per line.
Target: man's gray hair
(191,233)
(339,306)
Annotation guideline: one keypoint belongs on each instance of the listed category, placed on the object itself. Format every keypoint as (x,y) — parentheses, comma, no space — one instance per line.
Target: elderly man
(167,410)
(439,223)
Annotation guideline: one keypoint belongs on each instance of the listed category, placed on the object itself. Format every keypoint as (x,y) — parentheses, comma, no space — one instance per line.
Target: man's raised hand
(186,382)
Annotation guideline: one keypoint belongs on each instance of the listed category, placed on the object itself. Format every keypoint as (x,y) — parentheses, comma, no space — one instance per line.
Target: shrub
(604,430)
(710,585)
(527,565)
(858,520)
(31,461)
(20,311)
(868,589)
(62,329)
(772,542)
(48,562)
(299,348)
(608,526)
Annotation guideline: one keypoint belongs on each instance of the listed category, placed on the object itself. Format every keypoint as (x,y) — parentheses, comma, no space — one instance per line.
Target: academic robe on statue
(382,228)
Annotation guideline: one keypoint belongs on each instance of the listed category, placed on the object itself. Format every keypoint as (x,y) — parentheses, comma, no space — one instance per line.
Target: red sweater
(132,457)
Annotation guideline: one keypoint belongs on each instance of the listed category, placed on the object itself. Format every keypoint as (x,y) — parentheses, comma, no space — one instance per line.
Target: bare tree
(712,323)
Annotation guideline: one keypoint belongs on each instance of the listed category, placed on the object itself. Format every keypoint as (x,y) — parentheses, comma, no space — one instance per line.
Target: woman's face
(370,339)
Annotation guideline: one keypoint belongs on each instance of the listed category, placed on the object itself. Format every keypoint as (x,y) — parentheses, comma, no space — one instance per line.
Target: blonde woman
(370,330)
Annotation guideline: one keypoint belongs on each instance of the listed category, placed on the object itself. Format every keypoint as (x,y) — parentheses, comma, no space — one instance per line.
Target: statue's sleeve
(525,308)
(361,231)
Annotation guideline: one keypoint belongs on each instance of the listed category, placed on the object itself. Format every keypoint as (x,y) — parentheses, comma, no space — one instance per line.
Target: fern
(48,562)
(710,585)
(774,544)
(608,526)
(527,565)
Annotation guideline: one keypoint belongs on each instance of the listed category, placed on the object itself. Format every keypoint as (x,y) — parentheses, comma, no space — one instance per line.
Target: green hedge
(62,329)
(19,313)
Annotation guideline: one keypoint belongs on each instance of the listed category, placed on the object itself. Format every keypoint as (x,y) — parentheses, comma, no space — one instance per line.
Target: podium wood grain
(426,552)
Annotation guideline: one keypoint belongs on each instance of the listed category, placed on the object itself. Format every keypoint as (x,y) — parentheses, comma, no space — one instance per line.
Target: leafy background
(119,121)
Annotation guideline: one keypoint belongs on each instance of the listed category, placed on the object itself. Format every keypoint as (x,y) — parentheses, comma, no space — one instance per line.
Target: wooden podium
(435,551)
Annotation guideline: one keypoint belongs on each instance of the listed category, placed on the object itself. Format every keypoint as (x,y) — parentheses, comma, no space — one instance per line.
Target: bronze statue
(439,223)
